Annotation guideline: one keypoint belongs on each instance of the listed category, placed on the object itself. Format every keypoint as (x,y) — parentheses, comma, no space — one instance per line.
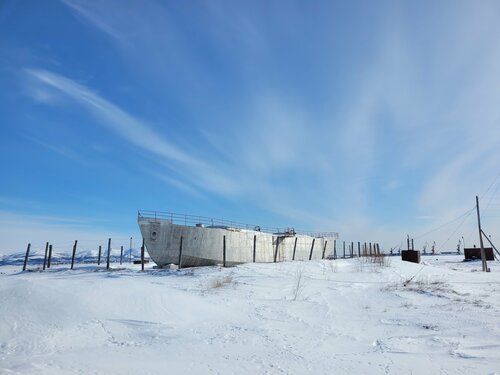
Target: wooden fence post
(335,249)
(312,248)
(73,256)
(109,253)
(254,246)
(142,255)
(99,256)
(46,254)
(50,256)
(294,248)
(359,249)
(276,250)
(370,249)
(324,249)
(352,249)
(180,254)
(344,248)
(224,251)
(121,255)
(26,257)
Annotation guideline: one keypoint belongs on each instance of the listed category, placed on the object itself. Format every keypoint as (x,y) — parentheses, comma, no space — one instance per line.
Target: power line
(457,228)
(466,213)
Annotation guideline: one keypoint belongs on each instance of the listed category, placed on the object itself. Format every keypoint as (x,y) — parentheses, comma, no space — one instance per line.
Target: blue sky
(373,119)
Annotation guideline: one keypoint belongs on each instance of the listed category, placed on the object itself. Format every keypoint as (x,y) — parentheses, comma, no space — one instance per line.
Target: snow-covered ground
(346,316)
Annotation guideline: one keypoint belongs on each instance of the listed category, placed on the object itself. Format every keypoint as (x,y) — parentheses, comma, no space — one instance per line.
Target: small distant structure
(474,253)
(411,255)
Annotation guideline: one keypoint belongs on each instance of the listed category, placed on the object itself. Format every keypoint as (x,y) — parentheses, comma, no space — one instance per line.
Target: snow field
(345,316)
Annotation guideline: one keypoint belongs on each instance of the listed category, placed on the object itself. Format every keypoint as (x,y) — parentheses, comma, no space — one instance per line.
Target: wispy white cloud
(408,127)
(19,203)
(176,183)
(95,19)
(60,150)
(133,130)
(138,133)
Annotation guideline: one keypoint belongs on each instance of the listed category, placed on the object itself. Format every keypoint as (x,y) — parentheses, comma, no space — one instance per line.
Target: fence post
(335,249)
(312,248)
(294,248)
(46,253)
(109,253)
(50,256)
(352,249)
(121,255)
(324,249)
(359,249)
(73,256)
(344,248)
(180,254)
(224,251)
(254,246)
(142,255)
(99,256)
(26,257)
(276,250)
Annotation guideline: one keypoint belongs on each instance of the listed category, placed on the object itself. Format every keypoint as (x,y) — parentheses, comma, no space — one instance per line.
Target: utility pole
(483,254)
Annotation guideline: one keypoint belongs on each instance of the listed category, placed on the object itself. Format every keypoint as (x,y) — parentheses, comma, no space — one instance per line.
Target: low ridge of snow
(345,316)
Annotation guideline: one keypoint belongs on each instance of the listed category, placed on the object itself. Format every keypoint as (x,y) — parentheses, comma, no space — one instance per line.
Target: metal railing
(193,220)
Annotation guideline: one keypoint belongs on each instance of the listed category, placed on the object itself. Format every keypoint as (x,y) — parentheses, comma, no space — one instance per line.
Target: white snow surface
(344,316)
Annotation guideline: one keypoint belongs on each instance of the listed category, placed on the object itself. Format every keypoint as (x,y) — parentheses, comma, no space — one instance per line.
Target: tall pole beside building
(483,253)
